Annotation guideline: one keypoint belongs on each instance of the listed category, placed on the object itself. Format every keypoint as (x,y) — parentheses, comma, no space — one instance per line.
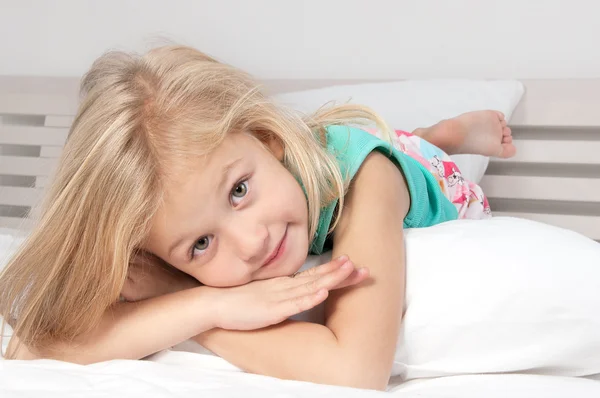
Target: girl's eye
(239,191)
(201,245)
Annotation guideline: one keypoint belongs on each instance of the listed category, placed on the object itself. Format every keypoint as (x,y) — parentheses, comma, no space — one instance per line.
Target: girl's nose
(251,241)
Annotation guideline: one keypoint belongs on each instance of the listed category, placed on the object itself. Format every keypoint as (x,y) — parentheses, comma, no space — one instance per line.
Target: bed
(554,179)
(556,127)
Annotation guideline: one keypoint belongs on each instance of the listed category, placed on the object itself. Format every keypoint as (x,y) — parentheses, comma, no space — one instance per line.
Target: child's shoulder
(348,135)
(351,145)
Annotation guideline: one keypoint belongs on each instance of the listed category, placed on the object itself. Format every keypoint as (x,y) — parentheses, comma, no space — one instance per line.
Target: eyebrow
(226,170)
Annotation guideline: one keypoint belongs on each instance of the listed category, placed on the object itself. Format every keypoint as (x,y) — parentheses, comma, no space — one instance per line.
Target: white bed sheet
(184,374)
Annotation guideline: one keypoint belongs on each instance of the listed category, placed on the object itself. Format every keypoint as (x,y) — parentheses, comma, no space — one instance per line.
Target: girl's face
(235,216)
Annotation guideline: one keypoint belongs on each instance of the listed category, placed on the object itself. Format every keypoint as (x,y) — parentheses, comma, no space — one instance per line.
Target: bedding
(513,311)
(498,295)
(178,374)
(407,105)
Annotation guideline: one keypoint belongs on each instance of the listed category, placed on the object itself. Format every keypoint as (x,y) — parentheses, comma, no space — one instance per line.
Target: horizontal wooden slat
(544,188)
(12,222)
(547,102)
(556,133)
(28,135)
(26,166)
(58,121)
(19,196)
(585,225)
(542,151)
(41,182)
(559,102)
(50,151)
(38,104)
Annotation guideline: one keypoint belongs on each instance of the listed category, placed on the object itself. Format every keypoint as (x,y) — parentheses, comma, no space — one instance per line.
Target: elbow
(361,374)
(341,373)
(367,383)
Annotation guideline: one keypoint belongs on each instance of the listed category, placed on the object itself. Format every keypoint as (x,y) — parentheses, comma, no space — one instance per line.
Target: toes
(507,139)
(508,151)
(506,132)
(500,115)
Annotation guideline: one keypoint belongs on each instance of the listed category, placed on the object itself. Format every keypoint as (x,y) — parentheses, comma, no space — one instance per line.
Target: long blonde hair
(138,114)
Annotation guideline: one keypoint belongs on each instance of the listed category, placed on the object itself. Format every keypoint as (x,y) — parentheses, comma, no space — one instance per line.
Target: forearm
(292,350)
(138,329)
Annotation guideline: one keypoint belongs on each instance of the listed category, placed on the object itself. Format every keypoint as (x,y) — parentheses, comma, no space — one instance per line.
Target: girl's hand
(149,276)
(267,302)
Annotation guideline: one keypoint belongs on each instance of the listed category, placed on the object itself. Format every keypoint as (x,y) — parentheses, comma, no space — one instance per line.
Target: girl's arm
(357,345)
(138,329)
(135,330)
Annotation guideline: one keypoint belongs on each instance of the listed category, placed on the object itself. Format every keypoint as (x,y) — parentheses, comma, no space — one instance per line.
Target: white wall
(315,38)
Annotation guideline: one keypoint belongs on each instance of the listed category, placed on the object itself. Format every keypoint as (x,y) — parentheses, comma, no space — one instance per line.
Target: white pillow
(494,296)
(500,295)
(407,105)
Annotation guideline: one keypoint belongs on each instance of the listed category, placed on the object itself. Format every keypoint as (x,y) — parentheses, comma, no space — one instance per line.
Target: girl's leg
(433,146)
(479,132)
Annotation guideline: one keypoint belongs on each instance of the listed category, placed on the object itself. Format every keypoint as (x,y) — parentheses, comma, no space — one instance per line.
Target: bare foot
(480,132)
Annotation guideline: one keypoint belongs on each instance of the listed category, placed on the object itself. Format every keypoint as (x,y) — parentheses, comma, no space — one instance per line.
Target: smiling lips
(277,252)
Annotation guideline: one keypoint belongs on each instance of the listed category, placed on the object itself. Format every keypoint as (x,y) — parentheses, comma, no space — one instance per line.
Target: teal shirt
(351,146)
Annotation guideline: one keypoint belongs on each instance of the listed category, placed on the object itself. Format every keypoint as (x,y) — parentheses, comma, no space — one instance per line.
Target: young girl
(178,159)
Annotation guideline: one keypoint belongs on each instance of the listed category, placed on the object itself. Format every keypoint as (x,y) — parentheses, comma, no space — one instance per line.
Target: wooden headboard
(555,177)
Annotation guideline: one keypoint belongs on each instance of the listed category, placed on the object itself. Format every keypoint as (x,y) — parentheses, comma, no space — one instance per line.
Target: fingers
(316,274)
(356,277)
(311,291)
(303,303)
(262,303)
(323,268)
(329,280)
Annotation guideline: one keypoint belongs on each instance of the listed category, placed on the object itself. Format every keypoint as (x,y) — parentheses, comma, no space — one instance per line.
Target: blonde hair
(138,114)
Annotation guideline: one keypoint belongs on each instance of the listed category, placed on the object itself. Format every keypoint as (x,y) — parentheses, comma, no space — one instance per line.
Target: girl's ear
(273,143)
